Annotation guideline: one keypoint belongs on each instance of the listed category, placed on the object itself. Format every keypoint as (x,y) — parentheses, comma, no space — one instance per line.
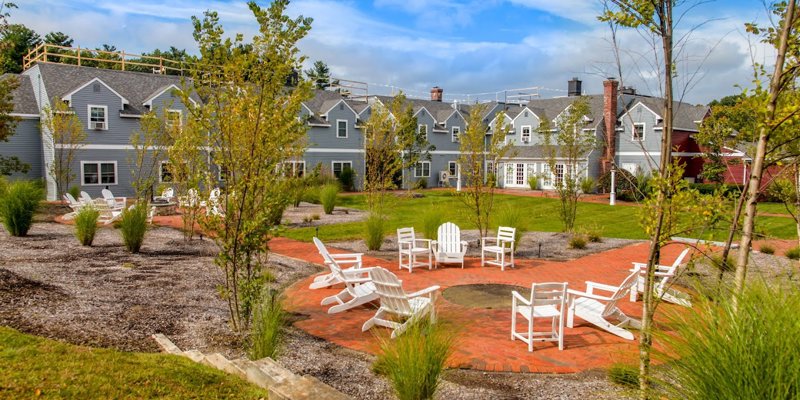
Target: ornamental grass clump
(414,361)
(512,217)
(327,196)
(375,230)
(17,206)
(266,330)
(431,219)
(86,225)
(133,226)
(747,349)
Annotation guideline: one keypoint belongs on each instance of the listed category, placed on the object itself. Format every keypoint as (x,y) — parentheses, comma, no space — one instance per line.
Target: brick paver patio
(485,342)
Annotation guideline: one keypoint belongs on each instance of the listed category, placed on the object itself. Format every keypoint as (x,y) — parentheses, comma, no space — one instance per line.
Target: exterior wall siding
(652,138)
(26,144)
(530,120)
(325,137)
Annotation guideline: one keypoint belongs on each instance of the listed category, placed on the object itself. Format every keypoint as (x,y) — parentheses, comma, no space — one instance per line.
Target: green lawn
(31,365)
(540,214)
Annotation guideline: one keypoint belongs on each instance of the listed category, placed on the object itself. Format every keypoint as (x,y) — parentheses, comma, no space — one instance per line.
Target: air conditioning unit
(98,125)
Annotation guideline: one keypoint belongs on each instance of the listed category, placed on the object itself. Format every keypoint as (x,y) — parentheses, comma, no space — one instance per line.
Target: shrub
(624,375)
(577,241)
(3,185)
(297,192)
(133,226)
(375,231)
(793,253)
(588,185)
(593,233)
(267,327)
(767,249)
(414,361)
(716,262)
(75,191)
(624,181)
(710,188)
(421,183)
(327,196)
(347,178)
(315,217)
(307,219)
(311,194)
(86,225)
(747,350)
(533,182)
(431,219)
(512,217)
(17,206)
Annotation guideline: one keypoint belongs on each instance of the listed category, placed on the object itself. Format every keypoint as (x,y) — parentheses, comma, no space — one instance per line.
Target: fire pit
(483,295)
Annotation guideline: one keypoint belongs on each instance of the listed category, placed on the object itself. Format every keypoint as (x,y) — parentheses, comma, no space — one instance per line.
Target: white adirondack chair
(408,307)
(167,195)
(500,246)
(86,199)
(449,248)
(330,279)
(547,301)
(213,206)
(191,199)
(409,248)
(116,203)
(358,287)
(666,273)
(597,309)
(75,205)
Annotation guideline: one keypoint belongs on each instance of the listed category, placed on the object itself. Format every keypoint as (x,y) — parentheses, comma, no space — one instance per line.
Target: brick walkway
(484,334)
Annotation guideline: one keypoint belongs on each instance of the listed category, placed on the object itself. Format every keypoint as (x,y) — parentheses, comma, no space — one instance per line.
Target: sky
(473,49)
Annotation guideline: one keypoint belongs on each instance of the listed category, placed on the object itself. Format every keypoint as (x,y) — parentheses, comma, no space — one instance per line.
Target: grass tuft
(17,206)
(267,328)
(512,217)
(577,241)
(624,375)
(431,219)
(86,225)
(767,249)
(375,231)
(327,196)
(793,253)
(133,226)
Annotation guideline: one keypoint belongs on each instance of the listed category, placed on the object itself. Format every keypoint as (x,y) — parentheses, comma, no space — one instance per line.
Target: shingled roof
(685,115)
(22,97)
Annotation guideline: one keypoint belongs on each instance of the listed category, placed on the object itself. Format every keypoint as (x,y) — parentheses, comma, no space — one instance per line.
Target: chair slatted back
(678,261)
(334,266)
(449,238)
(168,193)
(71,200)
(406,235)
(622,291)
(86,198)
(390,290)
(506,234)
(107,194)
(550,293)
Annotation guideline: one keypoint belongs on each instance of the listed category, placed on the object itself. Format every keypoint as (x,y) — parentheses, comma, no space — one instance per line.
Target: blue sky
(471,48)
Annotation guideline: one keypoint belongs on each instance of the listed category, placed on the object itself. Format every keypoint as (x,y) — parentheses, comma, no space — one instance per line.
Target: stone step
(194,355)
(219,362)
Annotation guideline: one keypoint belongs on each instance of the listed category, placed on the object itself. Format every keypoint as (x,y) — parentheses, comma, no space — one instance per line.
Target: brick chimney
(610,87)
(436,93)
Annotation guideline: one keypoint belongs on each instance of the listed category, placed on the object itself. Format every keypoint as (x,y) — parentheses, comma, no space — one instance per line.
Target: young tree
(477,153)
(150,143)
(565,147)
(249,120)
(787,190)
(63,130)
(16,42)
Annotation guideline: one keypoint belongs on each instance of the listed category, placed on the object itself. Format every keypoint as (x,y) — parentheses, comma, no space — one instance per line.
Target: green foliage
(75,191)
(421,183)
(17,41)
(17,206)
(327,196)
(710,188)
(266,330)
(512,217)
(432,218)
(625,183)
(375,231)
(533,182)
(414,361)
(726,266)
(31,364)
(767,249)
(3,186)
(311,194)
(593,232)
(588,185)
(69,134)
(347,179)
(624,375)
(133,226)
(320,75)
(750,350)
(793,253)
(86,225)
(577,242)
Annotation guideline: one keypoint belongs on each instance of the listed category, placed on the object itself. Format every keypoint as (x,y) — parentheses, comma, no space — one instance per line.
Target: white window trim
(453,134)
(350,163)
(455,170)
(522,133)
(161,173)
(180,116)
(420,127)
(89,116)
(633,131)
(100,173)
(346,129)
(422,163)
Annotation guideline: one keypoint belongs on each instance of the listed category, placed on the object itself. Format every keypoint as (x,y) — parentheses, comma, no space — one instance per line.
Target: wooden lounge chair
(409,248)
(332,278)
(449,248)
(664,275)
(596,309)
(115,203)
(500,246)
(358,287)
(406,307)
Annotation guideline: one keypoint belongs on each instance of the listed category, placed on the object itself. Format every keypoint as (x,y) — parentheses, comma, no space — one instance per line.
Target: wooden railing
(119,60)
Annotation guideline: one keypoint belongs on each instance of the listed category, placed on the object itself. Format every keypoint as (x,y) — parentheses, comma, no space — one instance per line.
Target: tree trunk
(761,150)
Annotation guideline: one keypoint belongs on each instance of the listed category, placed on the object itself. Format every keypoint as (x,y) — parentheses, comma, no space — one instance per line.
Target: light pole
(612,199)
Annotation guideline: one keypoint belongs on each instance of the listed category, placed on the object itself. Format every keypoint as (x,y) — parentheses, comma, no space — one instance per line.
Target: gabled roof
(61,79)
(317,103)
(149,100)
(685,115)
(68,96)
(22,97)
(551,108)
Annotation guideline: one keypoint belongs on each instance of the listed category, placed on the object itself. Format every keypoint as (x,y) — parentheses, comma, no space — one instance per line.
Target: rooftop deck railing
(119,60)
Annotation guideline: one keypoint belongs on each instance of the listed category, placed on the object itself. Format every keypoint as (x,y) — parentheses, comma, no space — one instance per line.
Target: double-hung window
(422,169)
(638,132)
(99,172)
(452,168)
(456,132)
(98,117)
(341,128)
(526,134)
(339,166)
(174,119)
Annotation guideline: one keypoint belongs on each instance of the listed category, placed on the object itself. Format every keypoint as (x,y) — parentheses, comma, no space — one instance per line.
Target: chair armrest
(424,291)
(590,286)
(464,245)
(343,256)
(426,241)
(576,293)
(515,295)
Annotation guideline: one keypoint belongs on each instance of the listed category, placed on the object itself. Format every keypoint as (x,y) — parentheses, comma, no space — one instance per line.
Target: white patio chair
(547,301)
(167,195)
(213,206)
(666,273)
(409,247)
(358,287)
(408,307)
(501,245)
(86,199)
(596,309)
(330,279)
(75,205)
(449,248)
(191,199)
(116,203)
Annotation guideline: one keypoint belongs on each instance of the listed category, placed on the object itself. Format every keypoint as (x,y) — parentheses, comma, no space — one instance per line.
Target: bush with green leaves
(18,205)
(266,330)
(512,217)
(533,182)
(749,349)
(375,231)
(133,226)
(624,375)
(588,185)
(347,179)
(328,196)
(3,185)
(577,242)
(767,249)
(431,219)
(421,183)
(86,225)
(793,253)
(75,191)
(311,194)
(414,361)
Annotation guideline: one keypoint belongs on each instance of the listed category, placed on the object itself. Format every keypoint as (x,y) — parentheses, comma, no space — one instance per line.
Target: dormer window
(98,117)
(341,128)
(456,132)
(174,119)
(423,130)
